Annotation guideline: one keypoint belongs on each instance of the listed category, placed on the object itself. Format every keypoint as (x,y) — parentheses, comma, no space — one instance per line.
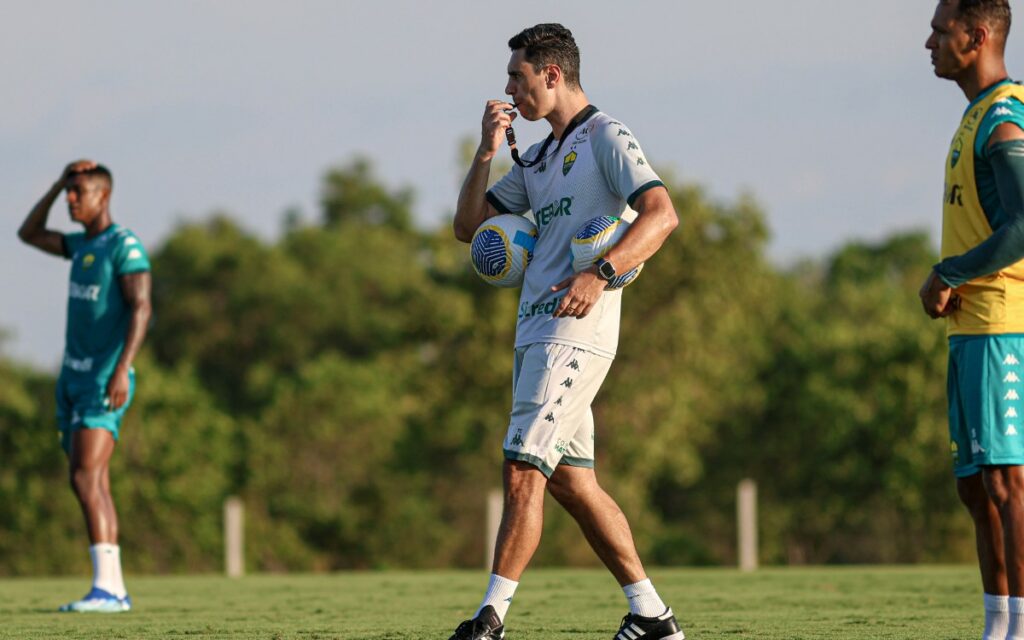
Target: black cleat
(486,626)
(663,627)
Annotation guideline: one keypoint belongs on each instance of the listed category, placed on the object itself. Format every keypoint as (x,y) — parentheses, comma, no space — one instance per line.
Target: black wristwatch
(605,269)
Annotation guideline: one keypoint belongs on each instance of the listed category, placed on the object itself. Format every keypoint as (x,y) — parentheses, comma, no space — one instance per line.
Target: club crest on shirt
(88,260)
(958,148)
(567,162)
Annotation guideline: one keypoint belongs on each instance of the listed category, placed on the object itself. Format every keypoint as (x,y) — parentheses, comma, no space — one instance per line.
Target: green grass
(933,603)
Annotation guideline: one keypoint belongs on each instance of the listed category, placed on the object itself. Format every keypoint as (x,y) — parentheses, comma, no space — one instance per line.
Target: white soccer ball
(502,249)
(593,240)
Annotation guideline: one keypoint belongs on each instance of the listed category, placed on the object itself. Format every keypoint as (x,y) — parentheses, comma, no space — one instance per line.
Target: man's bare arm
(657,219)
(136,288)
(33,231)
(472,208)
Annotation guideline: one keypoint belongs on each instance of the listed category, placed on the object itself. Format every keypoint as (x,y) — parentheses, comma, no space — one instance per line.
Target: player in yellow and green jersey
(108,313)
(978,287)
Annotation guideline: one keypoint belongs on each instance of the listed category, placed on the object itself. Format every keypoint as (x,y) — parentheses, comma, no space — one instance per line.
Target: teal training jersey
(98,315)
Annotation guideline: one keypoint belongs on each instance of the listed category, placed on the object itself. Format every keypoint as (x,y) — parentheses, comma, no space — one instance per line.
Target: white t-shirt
(599,170)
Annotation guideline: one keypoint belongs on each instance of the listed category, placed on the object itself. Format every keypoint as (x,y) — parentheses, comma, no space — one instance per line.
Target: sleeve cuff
(494,202)
(646,187)
(949,281)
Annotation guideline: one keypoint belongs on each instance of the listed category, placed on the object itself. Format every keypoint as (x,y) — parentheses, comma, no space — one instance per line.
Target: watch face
(606,270)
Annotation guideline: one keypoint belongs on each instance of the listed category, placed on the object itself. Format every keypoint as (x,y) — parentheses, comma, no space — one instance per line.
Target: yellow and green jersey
(991,299)
(98,315)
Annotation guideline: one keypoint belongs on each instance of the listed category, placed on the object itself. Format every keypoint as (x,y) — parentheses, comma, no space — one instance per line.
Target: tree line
(351,381)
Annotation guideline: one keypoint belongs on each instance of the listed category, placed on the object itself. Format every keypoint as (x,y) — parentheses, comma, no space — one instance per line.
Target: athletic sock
(997,617)
(499,595)
(106,568)
(643,599)
(1016,630)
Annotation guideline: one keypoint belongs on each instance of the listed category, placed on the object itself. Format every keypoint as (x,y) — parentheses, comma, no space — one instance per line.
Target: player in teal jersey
(108,313)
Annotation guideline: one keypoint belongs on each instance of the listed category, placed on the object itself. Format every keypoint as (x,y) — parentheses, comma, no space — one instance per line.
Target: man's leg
(1005,486)
(601,520)
(518,537)
(606,529)
(91,450)
(521,521)
(89,458)
(988,534)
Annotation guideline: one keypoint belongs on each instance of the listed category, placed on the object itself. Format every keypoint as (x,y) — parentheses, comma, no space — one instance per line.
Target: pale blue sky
(827,112)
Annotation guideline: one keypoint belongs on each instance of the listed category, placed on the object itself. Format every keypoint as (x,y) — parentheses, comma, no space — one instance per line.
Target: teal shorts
(984,387)
(83,405)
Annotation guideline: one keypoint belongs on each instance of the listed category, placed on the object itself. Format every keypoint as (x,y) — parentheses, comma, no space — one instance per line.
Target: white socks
(643,599)
(106,568)
(997,617)
(499,595)
(1016,614)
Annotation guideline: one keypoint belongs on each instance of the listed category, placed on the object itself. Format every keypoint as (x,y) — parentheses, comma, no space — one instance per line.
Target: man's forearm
(471,209)
(137,327)
(35,222)
(656,220)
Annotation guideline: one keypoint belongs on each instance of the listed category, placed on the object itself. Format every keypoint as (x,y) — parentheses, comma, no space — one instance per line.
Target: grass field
(933,603)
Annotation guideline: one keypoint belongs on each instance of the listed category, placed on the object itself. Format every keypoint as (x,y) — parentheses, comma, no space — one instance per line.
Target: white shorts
(553,386)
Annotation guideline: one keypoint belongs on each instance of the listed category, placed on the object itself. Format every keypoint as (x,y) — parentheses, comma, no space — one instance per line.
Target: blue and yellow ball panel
(595,239)
(502,248)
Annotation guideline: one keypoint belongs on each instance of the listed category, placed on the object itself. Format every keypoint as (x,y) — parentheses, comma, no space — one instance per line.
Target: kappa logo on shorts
(574,365)
(517,440)
(1011,430)
(567,383)
(1011,377)
(1010,413)
(1010,359)
(550,417)
(1011,395)
(558,402)
(976,447)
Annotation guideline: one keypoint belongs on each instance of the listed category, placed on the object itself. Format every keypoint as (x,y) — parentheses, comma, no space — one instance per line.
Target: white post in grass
(495,505)
(746,521)
(234,537)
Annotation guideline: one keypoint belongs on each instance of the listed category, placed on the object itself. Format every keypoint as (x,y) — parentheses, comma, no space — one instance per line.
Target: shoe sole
(675,636)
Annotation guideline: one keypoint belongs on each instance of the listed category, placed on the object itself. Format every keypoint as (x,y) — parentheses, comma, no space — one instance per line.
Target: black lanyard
(578,119)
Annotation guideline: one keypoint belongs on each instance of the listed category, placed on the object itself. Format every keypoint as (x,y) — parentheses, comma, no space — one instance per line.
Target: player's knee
(974,496)
(564,492)
(523,482)
(86,483)
(1004,485)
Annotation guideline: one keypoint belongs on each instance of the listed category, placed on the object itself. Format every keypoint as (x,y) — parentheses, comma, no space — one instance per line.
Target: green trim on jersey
(647,187)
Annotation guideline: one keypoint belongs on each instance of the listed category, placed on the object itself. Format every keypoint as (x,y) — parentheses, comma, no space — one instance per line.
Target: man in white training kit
(567,333)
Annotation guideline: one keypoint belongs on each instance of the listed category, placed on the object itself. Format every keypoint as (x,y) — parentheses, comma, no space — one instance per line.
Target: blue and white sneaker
(99,601)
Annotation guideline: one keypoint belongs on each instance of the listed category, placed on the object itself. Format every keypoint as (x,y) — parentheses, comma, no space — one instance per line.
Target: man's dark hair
(98,172)
(994,13)
(550,43)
